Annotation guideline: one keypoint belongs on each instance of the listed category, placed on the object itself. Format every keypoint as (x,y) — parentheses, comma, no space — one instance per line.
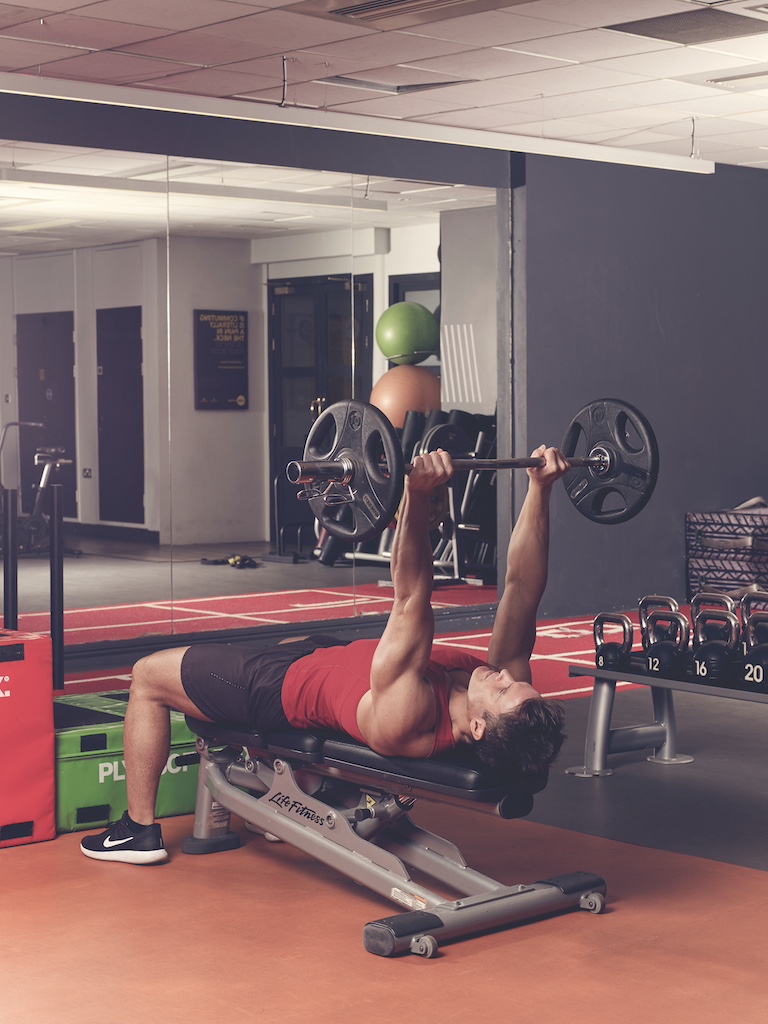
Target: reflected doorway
(120,400)
(319,354)
(45,353)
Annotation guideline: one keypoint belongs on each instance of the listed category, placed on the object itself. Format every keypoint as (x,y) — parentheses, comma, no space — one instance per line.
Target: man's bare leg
(156,690)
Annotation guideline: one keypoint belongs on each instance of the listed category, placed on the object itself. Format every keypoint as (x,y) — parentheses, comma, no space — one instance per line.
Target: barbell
(353,468)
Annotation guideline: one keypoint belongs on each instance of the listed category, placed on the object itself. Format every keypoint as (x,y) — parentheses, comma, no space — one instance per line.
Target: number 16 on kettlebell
(715,661)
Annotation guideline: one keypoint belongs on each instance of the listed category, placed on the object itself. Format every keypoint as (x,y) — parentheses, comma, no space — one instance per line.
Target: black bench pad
(457,774)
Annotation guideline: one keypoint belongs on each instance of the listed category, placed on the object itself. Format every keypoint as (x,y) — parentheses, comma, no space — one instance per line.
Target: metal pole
(10,561)
(343,470)
(57,584)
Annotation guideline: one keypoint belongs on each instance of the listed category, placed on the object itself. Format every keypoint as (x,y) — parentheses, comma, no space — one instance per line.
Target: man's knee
(144,677)
(156,678)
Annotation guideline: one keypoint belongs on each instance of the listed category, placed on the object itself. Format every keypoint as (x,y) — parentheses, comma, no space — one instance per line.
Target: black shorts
(241,683)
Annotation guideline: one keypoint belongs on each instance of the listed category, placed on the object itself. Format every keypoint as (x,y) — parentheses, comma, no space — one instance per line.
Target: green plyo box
(90,772)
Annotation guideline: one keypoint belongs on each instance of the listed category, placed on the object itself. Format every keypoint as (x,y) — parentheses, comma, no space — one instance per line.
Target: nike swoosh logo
(109,843)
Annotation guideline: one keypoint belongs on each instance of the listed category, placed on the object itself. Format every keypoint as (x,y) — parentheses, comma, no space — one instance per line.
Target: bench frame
(348,807)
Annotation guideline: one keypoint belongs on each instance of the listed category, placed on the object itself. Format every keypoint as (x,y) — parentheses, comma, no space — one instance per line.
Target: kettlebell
(646,604)
(746,607)
(754,669)
(664,656)
(609,654)
(714,661)
(712,599)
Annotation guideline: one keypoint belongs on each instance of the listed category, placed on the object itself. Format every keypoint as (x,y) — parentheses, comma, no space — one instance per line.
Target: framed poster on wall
(221,359)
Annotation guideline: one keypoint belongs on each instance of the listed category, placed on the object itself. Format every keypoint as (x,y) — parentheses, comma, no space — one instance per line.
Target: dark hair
(525,741)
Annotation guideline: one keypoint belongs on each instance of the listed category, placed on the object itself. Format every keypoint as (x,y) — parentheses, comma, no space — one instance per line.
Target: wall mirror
(177,324)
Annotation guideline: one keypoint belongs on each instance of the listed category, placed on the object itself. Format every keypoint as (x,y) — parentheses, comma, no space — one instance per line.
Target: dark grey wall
(649,286)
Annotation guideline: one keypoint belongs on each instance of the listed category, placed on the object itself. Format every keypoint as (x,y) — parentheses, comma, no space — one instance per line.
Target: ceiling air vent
(400,13)
(692,27)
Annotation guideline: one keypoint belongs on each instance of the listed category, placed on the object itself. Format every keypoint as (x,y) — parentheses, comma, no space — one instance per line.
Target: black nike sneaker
(120,843)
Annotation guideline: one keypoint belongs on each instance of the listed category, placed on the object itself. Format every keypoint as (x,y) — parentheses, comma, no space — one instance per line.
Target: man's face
(495,691)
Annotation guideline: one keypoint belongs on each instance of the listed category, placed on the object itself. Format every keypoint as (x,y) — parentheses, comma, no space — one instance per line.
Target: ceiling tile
(659,91)
(592,45)
(12,15)
(205,82)
(487,28)
(753,117)
(596,13)
(304,66)
(637,117)
(16,54)
(77,31)
(757,136)
(720,104)
(172,14)
(108,66)
(388,48)
(674,63)
(197,47)
(406,105)
(308,94)
(283,31)
(486,64)
(34,6)
(755,47)
(484,118)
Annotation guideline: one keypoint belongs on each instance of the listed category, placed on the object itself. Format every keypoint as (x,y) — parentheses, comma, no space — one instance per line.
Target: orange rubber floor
(264,933)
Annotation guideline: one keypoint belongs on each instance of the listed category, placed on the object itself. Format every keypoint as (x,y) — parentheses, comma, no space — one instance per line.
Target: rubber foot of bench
(229,841)
(582,772)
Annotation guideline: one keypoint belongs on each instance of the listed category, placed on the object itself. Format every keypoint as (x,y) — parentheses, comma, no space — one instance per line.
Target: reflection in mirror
(211,311)
(82,267)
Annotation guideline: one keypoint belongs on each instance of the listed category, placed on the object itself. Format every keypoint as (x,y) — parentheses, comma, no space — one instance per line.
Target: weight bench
(347,806)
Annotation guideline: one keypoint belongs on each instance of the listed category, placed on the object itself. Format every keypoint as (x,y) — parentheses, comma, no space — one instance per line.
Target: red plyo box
(27,771)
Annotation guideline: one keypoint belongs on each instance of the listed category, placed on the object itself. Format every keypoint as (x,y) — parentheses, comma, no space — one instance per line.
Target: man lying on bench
(398,695)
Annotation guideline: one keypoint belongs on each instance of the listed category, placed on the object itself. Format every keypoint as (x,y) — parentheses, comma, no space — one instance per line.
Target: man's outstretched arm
(400,715)
(514,628)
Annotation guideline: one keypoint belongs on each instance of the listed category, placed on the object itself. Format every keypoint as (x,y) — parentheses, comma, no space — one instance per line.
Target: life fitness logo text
(287,803)
(114,771)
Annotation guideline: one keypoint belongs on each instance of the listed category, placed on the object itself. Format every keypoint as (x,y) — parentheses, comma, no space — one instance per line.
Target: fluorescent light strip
(238,109)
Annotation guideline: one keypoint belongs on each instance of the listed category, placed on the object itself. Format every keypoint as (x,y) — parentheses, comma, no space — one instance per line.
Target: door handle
(317,405)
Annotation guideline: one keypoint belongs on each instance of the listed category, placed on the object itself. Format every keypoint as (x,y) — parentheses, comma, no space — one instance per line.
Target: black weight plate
(447,436)
(359,432)
(624,433)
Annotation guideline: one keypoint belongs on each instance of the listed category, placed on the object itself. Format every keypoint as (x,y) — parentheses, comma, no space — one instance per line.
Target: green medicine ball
(407,333)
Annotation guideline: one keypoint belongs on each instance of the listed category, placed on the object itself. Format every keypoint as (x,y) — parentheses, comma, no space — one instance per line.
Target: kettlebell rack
(659,734)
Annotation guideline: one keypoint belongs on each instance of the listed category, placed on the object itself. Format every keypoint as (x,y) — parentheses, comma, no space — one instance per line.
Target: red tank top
(324,688)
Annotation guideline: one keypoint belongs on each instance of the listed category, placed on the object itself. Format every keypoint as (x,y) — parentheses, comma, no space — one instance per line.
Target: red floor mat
(166,618)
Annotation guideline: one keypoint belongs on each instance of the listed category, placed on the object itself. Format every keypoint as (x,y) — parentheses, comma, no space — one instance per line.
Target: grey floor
(716,807)
(114,572)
